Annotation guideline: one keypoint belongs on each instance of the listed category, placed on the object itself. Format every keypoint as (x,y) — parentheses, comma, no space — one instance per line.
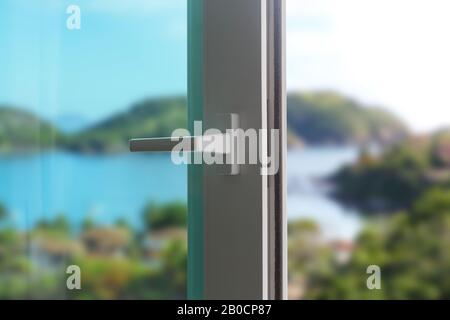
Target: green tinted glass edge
(195,272)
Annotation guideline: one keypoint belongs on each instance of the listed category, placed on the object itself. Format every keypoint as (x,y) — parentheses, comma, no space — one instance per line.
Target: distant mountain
(313,118)
(22,131)
(330,118)
(149,118)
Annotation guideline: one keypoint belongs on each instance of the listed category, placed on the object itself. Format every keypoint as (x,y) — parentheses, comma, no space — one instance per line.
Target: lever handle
(205,144)
(159,144)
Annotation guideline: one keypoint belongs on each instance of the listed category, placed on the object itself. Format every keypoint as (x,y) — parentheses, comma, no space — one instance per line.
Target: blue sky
(124,52)
(393,53)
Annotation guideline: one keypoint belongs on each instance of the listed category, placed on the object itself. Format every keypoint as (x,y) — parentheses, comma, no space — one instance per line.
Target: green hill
(313,118)
(22,131)
(149,118)
(329,118)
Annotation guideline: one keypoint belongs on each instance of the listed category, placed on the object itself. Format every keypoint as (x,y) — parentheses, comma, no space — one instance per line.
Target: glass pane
(195,172)
(368,166)
(76,83)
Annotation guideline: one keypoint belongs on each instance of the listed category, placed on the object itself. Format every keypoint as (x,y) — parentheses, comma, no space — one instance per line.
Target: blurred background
(368,160)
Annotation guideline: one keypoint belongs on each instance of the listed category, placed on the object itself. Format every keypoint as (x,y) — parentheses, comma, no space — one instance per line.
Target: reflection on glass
(70,193)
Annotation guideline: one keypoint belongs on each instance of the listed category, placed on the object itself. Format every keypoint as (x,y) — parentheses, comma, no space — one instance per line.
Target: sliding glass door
(81,217)
(236,196)
(196,90)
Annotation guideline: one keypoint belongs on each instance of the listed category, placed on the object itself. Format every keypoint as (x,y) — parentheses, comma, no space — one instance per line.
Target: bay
(108,187)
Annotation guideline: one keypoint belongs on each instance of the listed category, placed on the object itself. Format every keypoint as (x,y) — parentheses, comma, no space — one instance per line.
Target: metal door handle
(195,144)
(159,144)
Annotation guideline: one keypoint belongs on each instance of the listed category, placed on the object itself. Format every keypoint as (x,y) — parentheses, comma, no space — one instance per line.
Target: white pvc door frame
(244,215)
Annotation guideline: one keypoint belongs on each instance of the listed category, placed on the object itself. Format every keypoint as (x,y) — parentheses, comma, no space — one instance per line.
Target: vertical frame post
(237,224)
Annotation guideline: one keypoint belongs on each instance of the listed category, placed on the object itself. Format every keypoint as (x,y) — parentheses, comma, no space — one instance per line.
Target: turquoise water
(104,188)
(108,187)
(307,192)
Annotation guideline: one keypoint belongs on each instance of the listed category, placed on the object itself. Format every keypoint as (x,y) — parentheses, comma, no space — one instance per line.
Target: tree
(412,250)
(158,217)
(59,224)
(3,213)
(88,223)
(389,184)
